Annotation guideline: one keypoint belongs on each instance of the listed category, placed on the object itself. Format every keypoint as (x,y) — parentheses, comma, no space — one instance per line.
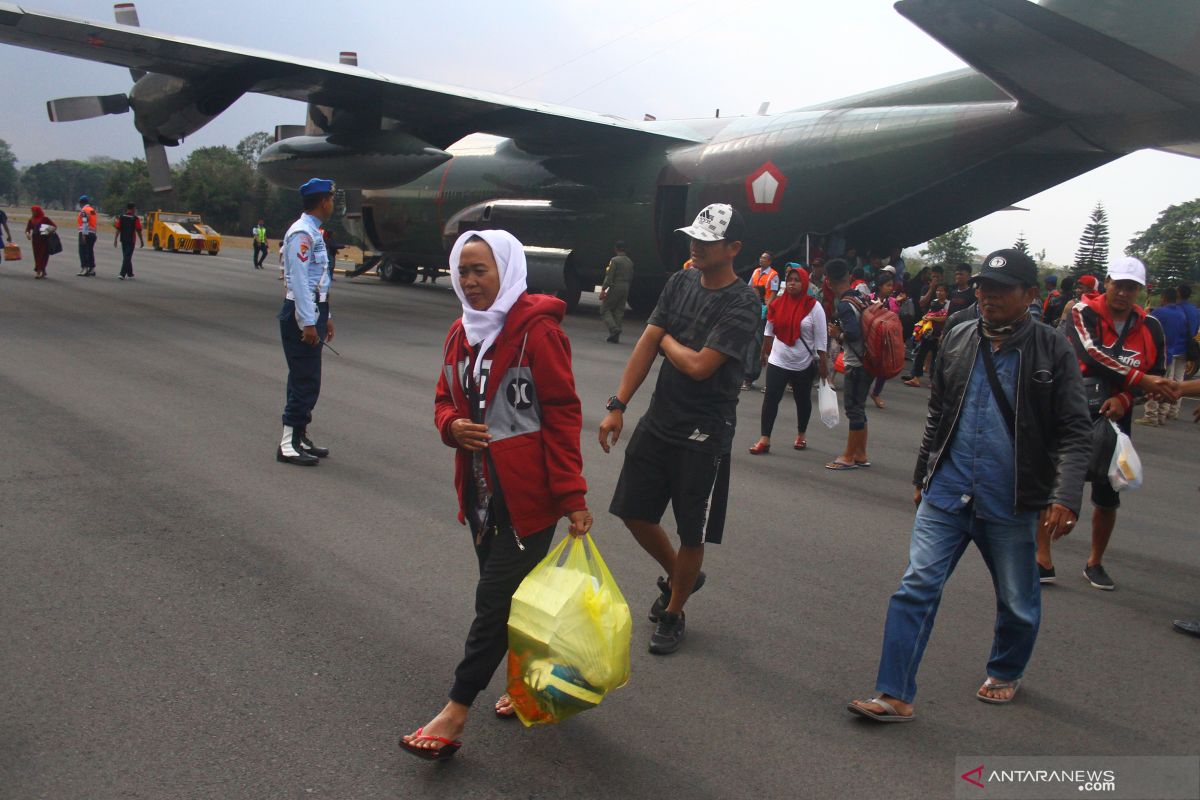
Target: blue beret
(316,186)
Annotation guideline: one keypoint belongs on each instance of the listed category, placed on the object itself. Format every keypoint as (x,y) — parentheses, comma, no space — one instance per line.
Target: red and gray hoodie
(531,410)
(1094,335)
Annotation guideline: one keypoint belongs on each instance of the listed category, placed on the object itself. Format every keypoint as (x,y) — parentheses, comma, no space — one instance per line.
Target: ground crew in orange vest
(766,279)
(87,238)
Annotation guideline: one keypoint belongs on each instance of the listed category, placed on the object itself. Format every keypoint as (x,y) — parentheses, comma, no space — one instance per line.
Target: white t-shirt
(814,332)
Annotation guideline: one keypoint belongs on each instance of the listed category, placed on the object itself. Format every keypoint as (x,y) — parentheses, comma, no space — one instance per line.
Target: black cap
(1009,266)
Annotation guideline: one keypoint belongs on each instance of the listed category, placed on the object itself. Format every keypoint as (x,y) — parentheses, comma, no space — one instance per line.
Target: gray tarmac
(182,617)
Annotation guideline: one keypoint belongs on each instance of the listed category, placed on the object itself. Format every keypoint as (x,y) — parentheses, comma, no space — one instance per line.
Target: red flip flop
(447,750)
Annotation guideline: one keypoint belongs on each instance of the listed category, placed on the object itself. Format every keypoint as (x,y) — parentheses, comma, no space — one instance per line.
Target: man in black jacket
(1007,436)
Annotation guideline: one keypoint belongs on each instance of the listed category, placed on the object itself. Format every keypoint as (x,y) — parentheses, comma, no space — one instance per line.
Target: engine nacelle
(371,160)
(168,109)
(553,228)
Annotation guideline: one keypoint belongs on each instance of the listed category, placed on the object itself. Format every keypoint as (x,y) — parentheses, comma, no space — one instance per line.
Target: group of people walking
(42,233)
(1002,461)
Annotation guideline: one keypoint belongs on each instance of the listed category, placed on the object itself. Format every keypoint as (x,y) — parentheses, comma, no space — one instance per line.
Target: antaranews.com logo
(1053,777)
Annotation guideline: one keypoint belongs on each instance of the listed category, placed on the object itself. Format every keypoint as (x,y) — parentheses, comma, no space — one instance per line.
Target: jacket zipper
(957,413)
(1016,431)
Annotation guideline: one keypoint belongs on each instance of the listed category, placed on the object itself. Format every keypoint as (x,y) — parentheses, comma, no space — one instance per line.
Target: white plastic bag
(1125,469)
(827,403)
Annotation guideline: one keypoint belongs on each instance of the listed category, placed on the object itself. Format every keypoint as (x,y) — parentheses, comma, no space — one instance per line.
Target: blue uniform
(305,263)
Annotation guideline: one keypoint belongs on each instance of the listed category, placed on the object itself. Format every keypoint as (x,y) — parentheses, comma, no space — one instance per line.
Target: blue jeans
(938,541)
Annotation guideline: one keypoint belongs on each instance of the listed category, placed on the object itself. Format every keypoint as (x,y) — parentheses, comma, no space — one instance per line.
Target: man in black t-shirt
(679,452)
(962,295)
(129,226)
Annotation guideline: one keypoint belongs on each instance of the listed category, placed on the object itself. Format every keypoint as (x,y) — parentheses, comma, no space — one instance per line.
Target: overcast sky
(670,58)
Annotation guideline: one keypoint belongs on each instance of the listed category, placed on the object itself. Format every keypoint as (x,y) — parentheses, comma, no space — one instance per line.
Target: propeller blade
(71,109)
(126,14)
(158,166)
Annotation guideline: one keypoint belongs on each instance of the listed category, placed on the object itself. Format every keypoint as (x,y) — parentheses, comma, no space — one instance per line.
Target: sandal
(840,466)
(760,449)
(800,444)
(890,714)
(511,713)
(878,401)
(447,750)
(995,684)
(862,463)
(914,382)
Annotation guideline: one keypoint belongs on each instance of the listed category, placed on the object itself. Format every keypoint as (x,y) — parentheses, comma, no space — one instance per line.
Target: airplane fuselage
(795,174)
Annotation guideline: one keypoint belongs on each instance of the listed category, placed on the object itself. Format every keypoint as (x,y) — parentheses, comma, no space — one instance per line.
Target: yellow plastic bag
(568,635)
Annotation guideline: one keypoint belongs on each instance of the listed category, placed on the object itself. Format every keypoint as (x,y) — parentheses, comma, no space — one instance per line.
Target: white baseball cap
(716,222)
(1127,268)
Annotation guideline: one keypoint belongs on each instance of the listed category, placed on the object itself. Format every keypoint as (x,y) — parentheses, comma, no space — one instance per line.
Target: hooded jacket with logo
(532,412)
(1093,333)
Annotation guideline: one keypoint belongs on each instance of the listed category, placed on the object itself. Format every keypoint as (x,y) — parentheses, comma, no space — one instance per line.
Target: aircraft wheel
(393,272)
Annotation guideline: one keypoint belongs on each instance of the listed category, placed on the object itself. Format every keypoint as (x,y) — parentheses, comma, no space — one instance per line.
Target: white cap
(889,268)
(1127,268)
(716,222)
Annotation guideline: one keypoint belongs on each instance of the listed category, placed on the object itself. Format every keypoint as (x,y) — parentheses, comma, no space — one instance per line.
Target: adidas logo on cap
(716,222)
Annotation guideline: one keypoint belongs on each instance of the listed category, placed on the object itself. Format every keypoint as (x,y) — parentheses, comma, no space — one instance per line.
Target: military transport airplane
(1055,90)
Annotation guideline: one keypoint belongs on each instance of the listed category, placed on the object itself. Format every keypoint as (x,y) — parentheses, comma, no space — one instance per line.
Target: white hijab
(485,326)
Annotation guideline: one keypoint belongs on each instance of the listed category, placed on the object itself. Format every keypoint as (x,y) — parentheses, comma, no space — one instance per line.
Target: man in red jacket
(1122,356)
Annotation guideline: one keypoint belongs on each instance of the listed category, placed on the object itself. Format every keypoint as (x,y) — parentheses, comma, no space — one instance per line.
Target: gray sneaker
(668,634)
(1098,578)
(664,598)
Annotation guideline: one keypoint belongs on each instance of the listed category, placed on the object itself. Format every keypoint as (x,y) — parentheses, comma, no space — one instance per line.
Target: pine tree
(1176,262)
(950,249)
(1092,256)
(1023,245)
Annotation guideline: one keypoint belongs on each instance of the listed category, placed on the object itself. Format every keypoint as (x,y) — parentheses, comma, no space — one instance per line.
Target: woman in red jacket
(506,402)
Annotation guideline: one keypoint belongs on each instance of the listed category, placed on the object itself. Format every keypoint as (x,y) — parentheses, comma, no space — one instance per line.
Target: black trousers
(502,567)
(87,252)
(304,365)
(260,255)
(778,379)
(127,260)
(928,346)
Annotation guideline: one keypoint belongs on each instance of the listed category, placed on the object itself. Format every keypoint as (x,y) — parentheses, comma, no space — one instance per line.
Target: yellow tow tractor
(181,233)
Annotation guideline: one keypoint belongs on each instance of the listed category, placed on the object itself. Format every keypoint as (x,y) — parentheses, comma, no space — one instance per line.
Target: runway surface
(185,618)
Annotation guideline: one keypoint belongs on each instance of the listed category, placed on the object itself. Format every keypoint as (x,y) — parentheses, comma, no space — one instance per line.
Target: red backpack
(883,335)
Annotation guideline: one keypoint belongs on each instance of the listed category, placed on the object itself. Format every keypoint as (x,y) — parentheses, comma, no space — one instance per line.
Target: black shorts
(1103,493)
(696,484)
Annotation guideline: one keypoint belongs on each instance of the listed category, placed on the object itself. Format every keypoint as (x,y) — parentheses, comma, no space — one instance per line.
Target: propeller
(73,109)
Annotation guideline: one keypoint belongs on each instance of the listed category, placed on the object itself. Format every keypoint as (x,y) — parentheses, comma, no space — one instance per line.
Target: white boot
(290,451)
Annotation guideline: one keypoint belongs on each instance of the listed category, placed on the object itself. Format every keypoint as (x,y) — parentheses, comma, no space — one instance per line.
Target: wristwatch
(615,404)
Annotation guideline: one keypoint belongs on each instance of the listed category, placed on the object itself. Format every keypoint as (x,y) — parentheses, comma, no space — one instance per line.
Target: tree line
(219,183)
(222,185)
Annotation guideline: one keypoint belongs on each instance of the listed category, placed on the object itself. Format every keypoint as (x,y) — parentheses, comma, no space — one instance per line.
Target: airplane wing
(438,114)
